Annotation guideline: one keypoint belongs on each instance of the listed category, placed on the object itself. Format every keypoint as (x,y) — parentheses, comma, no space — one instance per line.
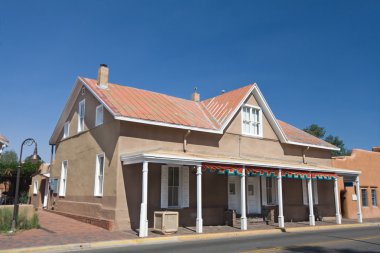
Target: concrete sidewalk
(59,233)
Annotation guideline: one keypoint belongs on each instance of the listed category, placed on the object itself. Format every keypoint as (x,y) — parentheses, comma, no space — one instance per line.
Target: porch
(204,191)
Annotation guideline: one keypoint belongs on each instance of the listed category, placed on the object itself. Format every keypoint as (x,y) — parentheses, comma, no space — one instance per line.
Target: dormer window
(252,121)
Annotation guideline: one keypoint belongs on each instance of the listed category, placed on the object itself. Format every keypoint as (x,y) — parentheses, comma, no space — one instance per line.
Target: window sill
(98,196)
(253,136)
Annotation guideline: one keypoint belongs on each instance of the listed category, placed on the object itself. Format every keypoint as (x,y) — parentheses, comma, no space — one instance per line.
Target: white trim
(97,192)
(311,145)
(35,187)
(80,126)
(183,160)
(99,119)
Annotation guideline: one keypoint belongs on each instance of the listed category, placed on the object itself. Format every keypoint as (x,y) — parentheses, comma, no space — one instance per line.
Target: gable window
(373,197)
(81,114)
(364,197)
(99,175)
(174,186)
(99,115)
(252,121)
(63,180)
(66,128)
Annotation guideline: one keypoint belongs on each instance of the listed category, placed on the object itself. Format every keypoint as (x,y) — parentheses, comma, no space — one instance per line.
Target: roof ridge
(228,92)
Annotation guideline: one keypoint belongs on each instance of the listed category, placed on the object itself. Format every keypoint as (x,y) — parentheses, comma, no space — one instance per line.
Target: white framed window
(99,175)
(269,190)
(99,115)
(35,187)
(305,192)
(252,121)
(81,115)
(364,197)
(174,186)
(66,129)
(374,197)
(63,180)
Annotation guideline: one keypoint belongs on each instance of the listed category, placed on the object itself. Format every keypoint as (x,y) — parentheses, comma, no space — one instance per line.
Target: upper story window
(81,114)
(252,121)
(66,130)
(99,115)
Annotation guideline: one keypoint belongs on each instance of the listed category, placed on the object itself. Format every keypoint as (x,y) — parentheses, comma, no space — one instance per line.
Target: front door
(253,195)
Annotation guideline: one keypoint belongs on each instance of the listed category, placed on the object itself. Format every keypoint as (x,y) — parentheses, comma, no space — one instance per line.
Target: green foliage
(8,165)
(6,216)
(336,141)
(315,130)
(23,199)
(320,132)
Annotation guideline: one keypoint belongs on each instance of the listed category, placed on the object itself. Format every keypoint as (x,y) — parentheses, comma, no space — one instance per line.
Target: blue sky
(315,61)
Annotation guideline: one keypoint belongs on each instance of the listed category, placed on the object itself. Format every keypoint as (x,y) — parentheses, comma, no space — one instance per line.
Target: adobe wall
(368,163)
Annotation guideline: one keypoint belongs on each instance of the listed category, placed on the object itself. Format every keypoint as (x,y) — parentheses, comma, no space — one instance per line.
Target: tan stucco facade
(120,203)
(368,162)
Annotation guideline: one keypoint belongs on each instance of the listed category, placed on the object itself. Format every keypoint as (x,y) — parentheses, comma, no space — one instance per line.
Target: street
(343,240)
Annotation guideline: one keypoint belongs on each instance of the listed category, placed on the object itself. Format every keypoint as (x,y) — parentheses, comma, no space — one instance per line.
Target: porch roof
(173,157)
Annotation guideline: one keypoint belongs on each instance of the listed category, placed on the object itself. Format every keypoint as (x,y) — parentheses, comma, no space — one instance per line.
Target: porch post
(337,209)
(359,200)
(144,205)
(46,193)
(243,219)
(280,206)
(311,204)
(199,221)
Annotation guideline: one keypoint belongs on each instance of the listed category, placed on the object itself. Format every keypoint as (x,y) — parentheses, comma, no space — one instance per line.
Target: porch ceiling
(172,157)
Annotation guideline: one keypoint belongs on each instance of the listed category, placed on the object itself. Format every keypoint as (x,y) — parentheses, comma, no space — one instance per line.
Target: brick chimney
(103,76)
(376,149)
(196,97)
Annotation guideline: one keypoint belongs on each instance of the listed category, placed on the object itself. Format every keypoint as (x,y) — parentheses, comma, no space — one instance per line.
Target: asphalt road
(342,240)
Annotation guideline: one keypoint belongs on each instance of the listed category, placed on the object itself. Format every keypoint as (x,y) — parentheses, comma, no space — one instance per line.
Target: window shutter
(275,190)
(185,187)
(315,192)
(304,192)
(264,190)
(164,186)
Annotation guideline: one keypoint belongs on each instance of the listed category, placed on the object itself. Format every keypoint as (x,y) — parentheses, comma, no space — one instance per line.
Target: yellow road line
(275,249)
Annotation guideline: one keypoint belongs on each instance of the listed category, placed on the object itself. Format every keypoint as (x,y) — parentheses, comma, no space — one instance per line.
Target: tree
(320,132)
(8,165)
(315,130)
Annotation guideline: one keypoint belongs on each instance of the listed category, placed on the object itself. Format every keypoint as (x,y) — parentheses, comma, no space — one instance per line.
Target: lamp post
(28,142)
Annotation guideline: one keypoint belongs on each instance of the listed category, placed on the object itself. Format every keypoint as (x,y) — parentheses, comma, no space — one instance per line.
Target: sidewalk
(72,234)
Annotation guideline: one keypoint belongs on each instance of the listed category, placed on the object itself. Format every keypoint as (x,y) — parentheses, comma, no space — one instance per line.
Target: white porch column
(311,204)
(144,205)
(359,200)
(337,208)
(281,222)
(199,221)
(46,193)
(243,219)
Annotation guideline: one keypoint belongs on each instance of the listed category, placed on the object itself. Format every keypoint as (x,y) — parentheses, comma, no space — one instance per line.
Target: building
(369,164)
(122,153)
(3,143)
(39,188)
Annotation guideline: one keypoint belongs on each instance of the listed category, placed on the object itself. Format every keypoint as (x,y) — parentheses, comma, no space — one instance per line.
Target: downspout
(185,140)
(304,154)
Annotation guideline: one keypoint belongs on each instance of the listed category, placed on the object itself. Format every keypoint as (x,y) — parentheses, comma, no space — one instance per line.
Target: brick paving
(58,230)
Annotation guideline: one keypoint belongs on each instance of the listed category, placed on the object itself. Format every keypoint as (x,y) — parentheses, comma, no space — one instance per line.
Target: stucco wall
(369,164)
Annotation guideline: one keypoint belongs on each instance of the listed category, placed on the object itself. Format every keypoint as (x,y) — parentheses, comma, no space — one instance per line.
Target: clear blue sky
(315,61)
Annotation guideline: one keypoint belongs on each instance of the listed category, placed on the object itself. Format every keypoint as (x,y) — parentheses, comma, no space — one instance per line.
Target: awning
(225,169)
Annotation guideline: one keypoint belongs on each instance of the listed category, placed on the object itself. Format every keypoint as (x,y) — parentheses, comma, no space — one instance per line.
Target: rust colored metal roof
(210,114)
(221,107)
(297,135)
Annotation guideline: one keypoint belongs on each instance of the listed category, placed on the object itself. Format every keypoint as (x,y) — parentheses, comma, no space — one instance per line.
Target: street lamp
(28,142)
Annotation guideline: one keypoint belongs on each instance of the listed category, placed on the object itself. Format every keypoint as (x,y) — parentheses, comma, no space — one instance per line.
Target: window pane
(364,197)
(101,164)
(232,189)
(176,177)
(250,190)
(374,197)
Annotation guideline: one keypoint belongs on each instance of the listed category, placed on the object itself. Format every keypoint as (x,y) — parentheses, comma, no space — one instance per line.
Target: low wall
(28,210)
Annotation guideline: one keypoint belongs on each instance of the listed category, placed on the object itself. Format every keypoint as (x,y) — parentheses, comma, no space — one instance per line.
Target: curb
(180,238)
